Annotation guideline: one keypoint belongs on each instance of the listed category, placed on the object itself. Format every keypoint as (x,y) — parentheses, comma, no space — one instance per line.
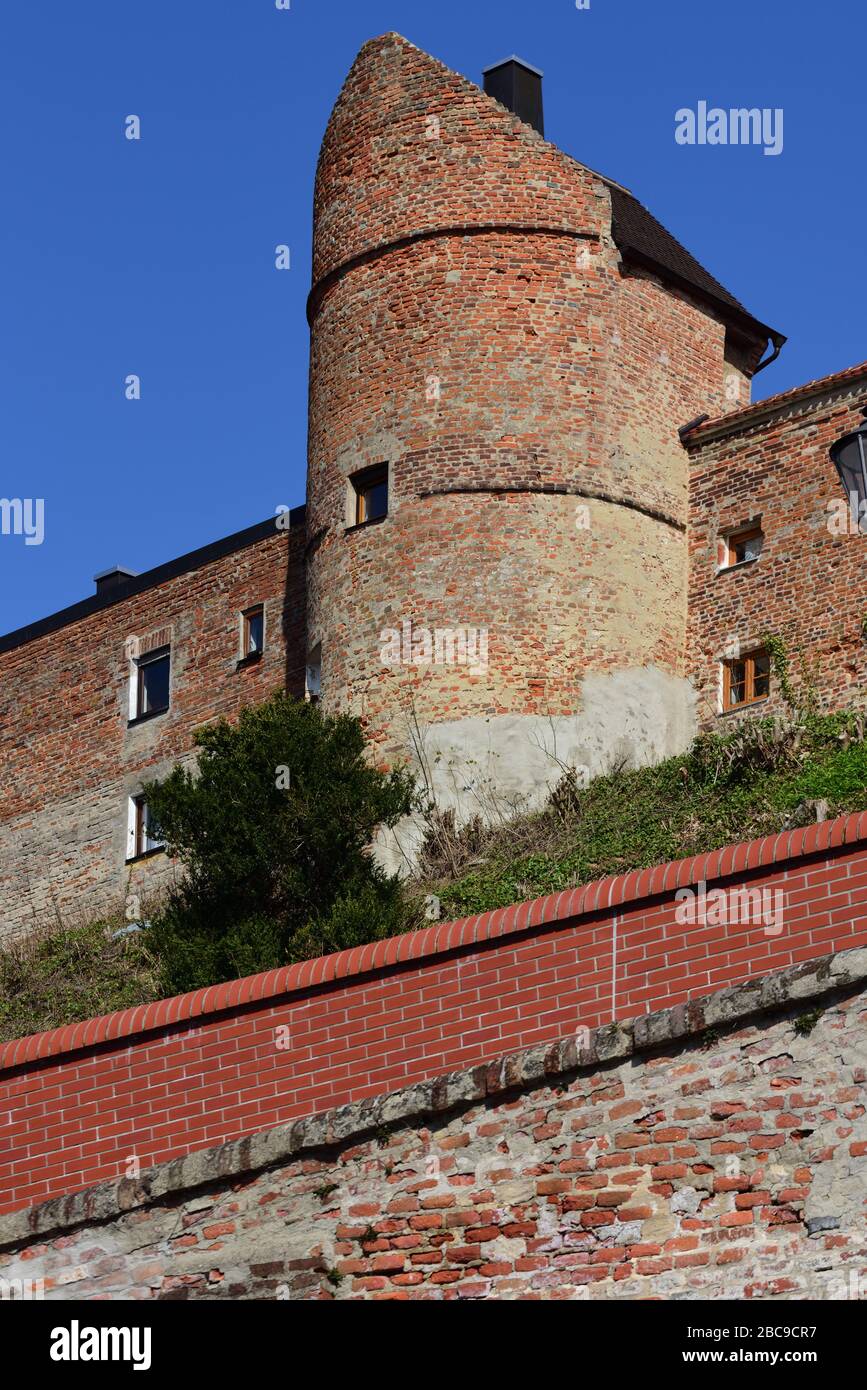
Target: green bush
(273,828)
(278,875)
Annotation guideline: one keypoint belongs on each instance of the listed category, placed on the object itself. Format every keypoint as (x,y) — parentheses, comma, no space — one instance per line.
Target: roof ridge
(781,399)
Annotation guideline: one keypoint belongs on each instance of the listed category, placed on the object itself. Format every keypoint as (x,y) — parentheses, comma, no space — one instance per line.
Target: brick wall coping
(345,1124)
(412,947)
(753,414)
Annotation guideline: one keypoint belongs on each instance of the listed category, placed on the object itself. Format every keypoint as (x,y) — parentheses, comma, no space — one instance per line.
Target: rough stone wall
(68,761)
(473,327)
(809,585)
(715,1151)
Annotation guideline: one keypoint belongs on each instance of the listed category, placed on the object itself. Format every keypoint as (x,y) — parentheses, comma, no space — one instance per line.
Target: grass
(55,977)
(762,777)
(757,780)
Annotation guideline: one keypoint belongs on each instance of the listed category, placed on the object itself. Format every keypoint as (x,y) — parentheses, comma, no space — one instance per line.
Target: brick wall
(484,259)
(809,585)
(68,761)
(715,1152)
(158,1081)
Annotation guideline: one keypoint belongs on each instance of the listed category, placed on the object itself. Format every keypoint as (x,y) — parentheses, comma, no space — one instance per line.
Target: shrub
(273,828)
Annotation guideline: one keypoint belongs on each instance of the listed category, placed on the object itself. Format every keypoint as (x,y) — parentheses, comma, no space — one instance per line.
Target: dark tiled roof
(638,234)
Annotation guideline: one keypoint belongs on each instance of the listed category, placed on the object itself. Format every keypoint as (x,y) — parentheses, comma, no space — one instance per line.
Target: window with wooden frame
(742,546)
(253,632)
(371,494)
(746,679)
(141,839)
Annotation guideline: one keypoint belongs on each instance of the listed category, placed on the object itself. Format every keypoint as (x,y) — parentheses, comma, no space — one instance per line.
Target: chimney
(518,85)
(108,580)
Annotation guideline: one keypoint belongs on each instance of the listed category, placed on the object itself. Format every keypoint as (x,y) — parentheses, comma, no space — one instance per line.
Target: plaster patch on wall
(509,764)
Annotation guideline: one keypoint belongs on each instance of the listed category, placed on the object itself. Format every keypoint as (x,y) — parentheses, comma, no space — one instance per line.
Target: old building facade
(515,551)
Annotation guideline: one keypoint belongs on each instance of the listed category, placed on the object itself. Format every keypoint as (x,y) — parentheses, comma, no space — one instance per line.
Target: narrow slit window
(313,678)
(746,679)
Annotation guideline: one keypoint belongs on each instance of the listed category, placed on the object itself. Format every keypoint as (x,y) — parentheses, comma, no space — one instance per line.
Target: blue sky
(156,257)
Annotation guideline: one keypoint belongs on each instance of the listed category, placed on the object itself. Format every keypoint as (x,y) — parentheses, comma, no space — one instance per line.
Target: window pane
(255,632)
(738,682)
(746,548)
(313,682)
(151,841)
(753,547)
(375,501)
(145,836)
(762,675)
(154,685)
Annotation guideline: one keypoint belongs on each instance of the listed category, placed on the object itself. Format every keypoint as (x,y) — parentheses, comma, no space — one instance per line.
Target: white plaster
(509,764)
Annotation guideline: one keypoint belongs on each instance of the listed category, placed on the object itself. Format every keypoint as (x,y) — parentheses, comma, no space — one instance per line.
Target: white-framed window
(150,683)
(140,838)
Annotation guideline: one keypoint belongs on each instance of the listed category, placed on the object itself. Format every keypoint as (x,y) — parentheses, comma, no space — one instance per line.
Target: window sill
(747,704)
(148,854)
(741,565)
(253,659)
(363,525)
(146,718)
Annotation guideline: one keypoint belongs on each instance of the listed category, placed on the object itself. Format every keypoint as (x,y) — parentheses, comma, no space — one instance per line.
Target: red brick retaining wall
(91,1101)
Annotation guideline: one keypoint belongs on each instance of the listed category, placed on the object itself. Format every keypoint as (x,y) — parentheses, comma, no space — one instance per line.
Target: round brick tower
(522,605)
